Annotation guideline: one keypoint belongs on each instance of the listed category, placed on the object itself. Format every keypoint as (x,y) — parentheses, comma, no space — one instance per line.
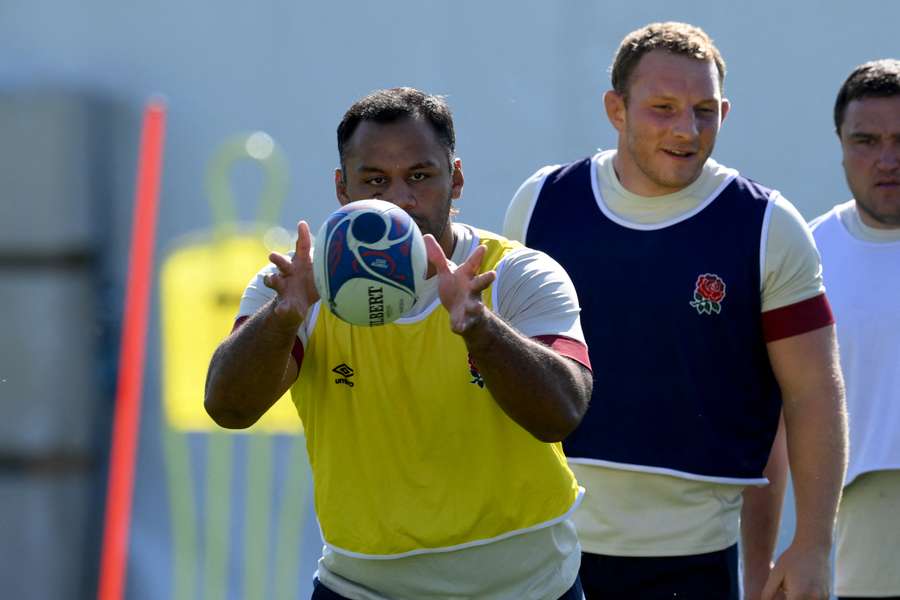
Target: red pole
(131,357)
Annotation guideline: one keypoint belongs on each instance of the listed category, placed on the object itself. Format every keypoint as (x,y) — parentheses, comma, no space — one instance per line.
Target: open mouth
(679,153)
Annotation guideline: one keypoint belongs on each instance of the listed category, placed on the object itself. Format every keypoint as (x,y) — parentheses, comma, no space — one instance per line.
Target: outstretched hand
(293,279)
(460,287)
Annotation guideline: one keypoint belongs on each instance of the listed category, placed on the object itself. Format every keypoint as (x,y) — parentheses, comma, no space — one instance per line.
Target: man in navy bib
(705,316)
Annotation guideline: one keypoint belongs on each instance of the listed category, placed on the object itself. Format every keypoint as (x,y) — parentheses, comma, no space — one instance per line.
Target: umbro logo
(345,373)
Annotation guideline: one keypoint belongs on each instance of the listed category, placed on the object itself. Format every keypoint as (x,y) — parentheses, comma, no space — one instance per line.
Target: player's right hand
(293,279)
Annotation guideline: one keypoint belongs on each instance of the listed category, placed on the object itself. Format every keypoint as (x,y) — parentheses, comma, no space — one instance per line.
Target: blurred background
(218,515)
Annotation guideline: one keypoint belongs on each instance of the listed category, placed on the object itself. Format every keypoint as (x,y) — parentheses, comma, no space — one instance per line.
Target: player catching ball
(439,472)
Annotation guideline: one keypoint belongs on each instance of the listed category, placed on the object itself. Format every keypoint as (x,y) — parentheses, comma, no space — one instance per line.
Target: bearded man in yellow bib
(439,472)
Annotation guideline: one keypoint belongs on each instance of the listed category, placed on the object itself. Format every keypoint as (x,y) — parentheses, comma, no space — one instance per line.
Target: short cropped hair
(390,105)
(874,79)
(678,38)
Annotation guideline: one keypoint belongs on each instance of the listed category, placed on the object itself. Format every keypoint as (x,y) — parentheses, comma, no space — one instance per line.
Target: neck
(448,239)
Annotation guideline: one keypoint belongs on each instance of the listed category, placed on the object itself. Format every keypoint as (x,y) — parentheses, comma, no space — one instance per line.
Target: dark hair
(678,38)
(874,79)
(387,106)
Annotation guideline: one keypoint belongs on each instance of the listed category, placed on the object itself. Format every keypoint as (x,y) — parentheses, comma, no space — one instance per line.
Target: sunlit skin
(870,141)
(668,122)
(403,162)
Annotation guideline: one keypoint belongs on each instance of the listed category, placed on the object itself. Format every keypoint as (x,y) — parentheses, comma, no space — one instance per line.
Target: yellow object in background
(201,282)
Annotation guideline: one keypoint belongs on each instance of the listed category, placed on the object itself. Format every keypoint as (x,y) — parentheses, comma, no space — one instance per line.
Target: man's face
(405,163)
(870,140)
(668,123)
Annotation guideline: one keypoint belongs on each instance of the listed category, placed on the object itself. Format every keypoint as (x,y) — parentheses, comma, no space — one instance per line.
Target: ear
(614,103)
(456,179)
(340,187)
(726,106)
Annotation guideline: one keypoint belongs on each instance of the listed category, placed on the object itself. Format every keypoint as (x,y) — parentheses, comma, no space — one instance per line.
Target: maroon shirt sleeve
(794,319)
(296,351)
(567,347)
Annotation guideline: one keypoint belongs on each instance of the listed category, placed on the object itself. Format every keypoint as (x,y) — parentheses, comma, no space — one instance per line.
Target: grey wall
(525,80)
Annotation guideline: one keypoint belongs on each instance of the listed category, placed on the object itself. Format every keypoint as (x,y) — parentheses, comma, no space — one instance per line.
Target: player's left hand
(460,287)
(800,574)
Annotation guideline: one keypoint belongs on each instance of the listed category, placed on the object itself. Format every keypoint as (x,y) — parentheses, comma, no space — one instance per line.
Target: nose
(401,194)
(889,157)
(685,125)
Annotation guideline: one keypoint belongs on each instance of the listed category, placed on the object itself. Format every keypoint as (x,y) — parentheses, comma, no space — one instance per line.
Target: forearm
(544,392)
(761,517)
(249,370)
(817,450)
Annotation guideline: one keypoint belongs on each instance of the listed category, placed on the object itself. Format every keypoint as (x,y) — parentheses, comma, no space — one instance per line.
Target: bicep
(805,365)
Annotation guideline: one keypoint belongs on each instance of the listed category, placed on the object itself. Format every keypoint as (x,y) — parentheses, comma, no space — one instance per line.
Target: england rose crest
(708,294)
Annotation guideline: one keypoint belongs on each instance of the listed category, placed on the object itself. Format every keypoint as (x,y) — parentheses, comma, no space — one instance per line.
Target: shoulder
(832,216)
(788,231)
(524,262)
(793,269)
(518,213)
(509,256)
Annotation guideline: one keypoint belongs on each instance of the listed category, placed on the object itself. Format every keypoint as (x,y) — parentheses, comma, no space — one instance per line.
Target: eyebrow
(666,97)
(428,164)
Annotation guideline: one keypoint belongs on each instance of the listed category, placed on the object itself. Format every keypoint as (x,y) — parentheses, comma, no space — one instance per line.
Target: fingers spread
(281,261)
(304,239)
(481,282)
(435,254)
(473,263)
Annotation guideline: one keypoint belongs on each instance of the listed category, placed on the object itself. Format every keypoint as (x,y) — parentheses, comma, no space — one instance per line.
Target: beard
(889,218)
(436,226)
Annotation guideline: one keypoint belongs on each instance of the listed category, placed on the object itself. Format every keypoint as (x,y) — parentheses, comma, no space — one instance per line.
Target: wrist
(283,317)
(477,335)
(819,543)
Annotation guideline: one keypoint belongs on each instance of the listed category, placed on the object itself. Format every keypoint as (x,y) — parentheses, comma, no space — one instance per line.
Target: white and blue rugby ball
(369,262)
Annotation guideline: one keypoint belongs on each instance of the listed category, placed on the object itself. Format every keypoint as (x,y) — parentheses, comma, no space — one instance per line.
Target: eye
(377,180)
(705,110)
(418,176)
(663,107)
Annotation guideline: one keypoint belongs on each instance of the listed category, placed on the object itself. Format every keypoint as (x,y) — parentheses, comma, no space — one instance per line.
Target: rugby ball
(369,262)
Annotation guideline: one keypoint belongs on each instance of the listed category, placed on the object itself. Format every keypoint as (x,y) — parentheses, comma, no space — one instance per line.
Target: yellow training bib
(409,451)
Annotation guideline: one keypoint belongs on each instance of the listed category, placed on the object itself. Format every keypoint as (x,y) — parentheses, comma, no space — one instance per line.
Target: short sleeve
(793,268)
(535,295)
(256,294)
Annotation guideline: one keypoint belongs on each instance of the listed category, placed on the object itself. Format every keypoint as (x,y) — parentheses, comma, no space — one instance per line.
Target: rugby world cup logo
(375,245)
(709,292)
